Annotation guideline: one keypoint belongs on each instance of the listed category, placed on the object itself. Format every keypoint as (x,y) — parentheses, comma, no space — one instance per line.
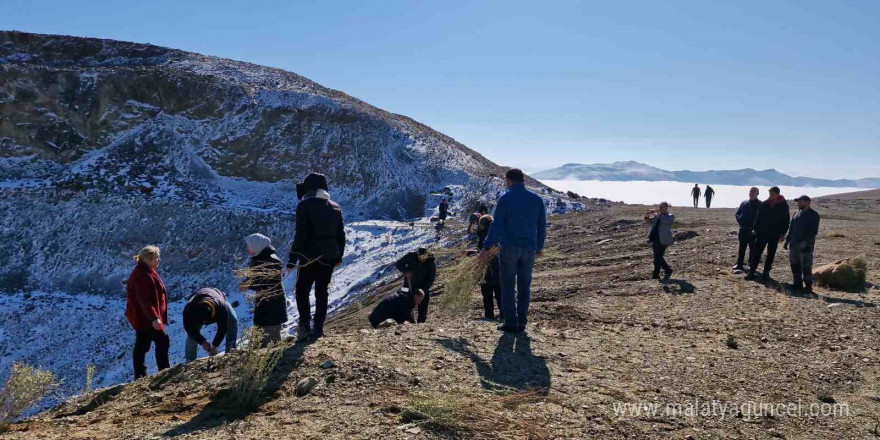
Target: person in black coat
(397,306)
(444,211)
(317,249)
(209,306)
(771,224)
(420,270)
(745,217)
(800,242)
(491,285)
(270,303)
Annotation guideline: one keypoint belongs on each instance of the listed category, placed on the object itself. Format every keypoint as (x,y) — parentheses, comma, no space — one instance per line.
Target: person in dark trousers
(318,248)
(209,306)
(474,219)
(444,211)
(695,192)
(771,223)
(270,302)
(708,194)
(660,236)
(147,311)
(397,306)
(420,270)
(800,242)
(520,229)
(745,217)
(491,285)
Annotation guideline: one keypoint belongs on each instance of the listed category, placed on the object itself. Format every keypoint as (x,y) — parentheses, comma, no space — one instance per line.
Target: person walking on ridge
(520,229)
(745,217)
(800,242)
(695,192)
(771,224)
(146,310)
(444,211)
(318,248)
(709,193)
(660,237)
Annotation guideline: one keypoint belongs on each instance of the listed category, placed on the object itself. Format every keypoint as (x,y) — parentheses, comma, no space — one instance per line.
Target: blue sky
(702,84)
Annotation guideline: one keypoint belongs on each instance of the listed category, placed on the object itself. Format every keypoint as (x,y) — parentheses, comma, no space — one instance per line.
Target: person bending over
(209,306)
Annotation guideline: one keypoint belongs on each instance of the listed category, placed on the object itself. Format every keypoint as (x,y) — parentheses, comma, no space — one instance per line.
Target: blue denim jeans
(192,348)
(516,284)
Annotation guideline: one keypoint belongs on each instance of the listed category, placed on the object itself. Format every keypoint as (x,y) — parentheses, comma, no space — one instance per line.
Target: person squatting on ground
(695,192)
(491,285)
(420,270)
(270,303)
(444,211)
(209,306)
(520,229)
(146,310)
(745,217)
(771,223)
(660,236)
(708,194)
(397,306)
(318,248)
(800,242)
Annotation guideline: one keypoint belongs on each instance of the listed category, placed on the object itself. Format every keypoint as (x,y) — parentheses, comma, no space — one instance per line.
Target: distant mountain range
(631,170)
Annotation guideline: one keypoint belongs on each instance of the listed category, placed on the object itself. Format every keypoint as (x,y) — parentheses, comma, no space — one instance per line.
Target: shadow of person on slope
(673,285)
(220,410)
(513,365)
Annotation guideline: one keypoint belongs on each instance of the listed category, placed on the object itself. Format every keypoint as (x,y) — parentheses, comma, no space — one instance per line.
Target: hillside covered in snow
(107,146)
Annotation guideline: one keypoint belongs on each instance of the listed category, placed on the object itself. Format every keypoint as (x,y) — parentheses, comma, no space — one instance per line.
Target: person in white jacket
(660,237)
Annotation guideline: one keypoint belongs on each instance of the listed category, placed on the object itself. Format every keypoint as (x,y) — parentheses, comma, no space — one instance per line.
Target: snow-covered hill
(631,170)
(107,146)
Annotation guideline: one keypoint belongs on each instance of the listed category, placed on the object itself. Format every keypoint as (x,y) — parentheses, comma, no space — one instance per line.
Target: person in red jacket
(147,310)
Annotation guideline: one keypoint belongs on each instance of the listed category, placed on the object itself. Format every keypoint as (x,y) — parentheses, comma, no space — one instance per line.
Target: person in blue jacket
(520,228)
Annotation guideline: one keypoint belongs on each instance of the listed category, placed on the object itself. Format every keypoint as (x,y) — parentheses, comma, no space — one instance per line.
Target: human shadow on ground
(513,365)
(828,299)
(683,286)
(220,411)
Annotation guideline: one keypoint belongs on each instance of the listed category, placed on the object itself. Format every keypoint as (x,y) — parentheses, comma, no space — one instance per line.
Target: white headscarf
(257,243)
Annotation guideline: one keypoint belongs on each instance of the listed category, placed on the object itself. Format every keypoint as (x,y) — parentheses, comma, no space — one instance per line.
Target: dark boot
(808,287)
(797,286)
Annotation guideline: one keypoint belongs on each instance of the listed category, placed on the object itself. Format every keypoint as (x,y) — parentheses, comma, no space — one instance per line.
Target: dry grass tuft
(90,377)
(834,234)
(461,412)
(849,275)
(25,387)
(463,280)
(250,370)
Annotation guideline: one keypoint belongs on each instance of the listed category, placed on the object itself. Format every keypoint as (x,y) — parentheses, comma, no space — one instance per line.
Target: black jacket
(747,213)
(397,306)
(271,304)
(493,270)
(444,210)
(320,231)
(207,306)
(709,193)
(423,273)
(772,222)
(804,228)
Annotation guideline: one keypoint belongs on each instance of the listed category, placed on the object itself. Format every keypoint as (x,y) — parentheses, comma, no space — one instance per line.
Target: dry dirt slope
(602,333)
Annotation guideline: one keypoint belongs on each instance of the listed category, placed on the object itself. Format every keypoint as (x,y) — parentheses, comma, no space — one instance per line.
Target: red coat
(146,298)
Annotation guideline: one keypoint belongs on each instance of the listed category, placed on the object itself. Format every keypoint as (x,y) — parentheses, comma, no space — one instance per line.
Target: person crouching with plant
(209,306)
(420,270)
(491,285)
(147,310)
(660,237)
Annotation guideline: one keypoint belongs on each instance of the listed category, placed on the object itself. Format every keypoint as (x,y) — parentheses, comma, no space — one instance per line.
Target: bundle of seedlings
(251,369)
(464,278)
(847,274)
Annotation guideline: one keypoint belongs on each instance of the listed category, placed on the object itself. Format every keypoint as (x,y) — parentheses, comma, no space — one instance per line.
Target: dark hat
(312,182)
(804,198)
(774,189)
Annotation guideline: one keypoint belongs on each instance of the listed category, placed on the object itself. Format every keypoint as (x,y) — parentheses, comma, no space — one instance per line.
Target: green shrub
(25,387)
(850,275)
(250,369)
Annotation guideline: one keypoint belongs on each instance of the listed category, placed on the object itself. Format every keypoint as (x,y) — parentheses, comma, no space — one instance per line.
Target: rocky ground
(602,334)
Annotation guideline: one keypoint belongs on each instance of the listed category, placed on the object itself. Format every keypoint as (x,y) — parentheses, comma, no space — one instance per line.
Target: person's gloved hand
(214,351)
